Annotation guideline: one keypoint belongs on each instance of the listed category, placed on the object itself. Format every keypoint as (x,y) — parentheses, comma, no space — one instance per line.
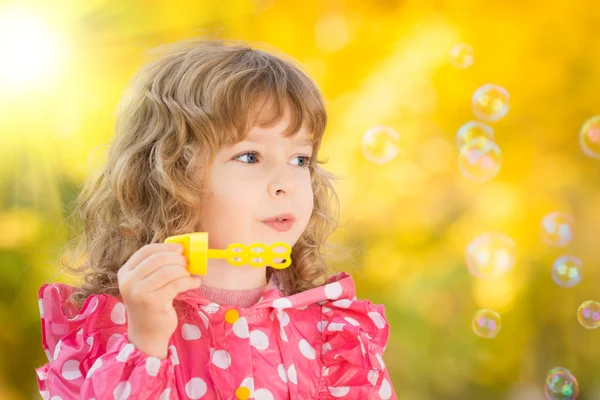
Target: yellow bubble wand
(195,249)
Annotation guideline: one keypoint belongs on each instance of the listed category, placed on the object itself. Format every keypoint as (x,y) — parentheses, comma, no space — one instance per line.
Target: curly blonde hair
(176,112)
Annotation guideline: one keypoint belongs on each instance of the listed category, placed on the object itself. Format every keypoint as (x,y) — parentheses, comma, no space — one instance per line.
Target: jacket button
(232,315)
(242,393)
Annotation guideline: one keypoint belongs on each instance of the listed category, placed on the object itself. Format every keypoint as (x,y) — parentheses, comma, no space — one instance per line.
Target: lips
(285,217)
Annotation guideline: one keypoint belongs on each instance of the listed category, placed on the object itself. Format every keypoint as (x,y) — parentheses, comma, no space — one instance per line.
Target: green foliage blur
(378,62)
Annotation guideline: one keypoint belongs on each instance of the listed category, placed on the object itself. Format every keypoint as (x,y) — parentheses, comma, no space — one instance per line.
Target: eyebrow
(260,139)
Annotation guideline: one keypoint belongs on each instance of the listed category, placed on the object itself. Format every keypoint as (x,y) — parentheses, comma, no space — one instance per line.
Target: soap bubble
(486,323)
(380,144)
(490,255)
(480,160)
(589,137)
(461,56)
(490,102)
(588,314)
(567,271)
(473,130)
(561,385)
(557,228)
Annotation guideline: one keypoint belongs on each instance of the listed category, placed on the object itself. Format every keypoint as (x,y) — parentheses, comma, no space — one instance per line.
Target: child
(207,138)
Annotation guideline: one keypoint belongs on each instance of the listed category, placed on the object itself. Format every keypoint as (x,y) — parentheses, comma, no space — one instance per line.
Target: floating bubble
(588,314)
(480,160)
(561,385)
(490,102)
(486,323)
(473,130)
(461,56)
(490,255)
(589,137)
(567,271)
(557,228)
(380,144)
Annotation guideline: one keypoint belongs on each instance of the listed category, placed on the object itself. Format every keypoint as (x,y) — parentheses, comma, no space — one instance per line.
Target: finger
(161,277)
(148,250)
(156,261)
(173,288)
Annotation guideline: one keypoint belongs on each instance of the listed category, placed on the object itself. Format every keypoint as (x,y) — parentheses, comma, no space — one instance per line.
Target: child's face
(248,188)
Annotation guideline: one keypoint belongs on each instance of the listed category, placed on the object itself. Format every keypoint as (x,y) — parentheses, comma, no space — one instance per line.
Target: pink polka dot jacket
(319,344)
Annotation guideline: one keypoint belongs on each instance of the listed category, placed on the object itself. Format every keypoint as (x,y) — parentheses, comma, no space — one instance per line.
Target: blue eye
(253,155)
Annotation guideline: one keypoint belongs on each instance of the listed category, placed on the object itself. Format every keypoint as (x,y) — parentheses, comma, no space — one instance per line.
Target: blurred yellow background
(63,66)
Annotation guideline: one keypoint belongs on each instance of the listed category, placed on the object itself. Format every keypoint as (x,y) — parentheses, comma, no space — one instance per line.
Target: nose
(281,184)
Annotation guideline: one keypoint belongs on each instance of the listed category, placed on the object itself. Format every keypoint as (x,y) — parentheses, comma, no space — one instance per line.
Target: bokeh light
(461,56)
(486,323)
(561,385)
(588,314)
(479,160)
(380,144)
(557,228)
(490,102)
(567,271)
(589,137)
(490,255)
(473,130)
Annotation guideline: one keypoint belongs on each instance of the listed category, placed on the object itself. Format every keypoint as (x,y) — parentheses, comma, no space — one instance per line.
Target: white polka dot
(174,355)
(248,383)
(112,340)
(152,366)
(57,349)
(291,373)
(306,349)
(55,398)
(284,318)
(281,372)
(326,309)
(195,388)
(326,348)
(221,359)
(282,334)
(48,355)
(125,352)
(344,303)
(333,290)
(90,341)
(117,315)
(41,374)
(70,370)
(240,328)
(282,303)
(165,395)
(45,394)
(204,319)
(352,321)
(41,306)
(259,340)
(322,325)
(338,391)
(372,377)
(385,391)
(263,394)
(302,308)
(97,364)
(93,304)
(59,329)
(190,332)
(210,308)
(122,391)
(378,319)
(325,371)
(335,327)
(380,361)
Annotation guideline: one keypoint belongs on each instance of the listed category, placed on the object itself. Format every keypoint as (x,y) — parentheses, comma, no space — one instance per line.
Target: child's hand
(148,282)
